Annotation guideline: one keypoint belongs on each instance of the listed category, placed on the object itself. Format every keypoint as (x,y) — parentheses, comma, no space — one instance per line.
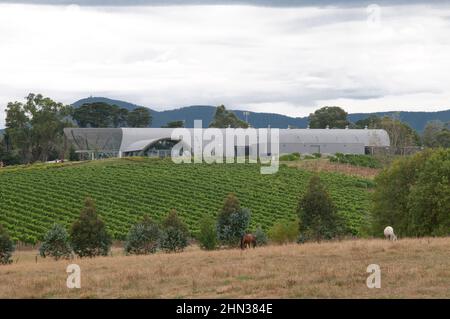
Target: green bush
(88,235)
(175,233)
(317,213)
(143,238)
(208,234)
(56,243)
(232,221)
(356,160)
(413,195)
(261,237)
(6,247)
(317,155)
(290,157)
(284,232)
(173,240)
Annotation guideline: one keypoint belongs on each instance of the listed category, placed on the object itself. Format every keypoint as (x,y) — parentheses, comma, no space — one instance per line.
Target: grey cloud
(270,3)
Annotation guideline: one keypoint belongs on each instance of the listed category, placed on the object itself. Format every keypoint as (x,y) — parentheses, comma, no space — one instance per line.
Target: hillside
(410,268)
(417,120)
(33,198)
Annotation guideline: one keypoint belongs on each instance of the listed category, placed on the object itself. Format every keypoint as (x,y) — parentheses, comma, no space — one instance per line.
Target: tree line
(34,129)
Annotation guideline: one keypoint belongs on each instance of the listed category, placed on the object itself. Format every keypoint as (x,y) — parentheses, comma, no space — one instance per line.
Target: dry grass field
(410,268)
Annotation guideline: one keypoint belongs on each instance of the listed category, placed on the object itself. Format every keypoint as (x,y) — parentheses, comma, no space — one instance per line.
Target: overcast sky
(289,58)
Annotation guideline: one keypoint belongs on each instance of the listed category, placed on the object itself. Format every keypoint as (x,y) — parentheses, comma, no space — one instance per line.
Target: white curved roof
(340,136)
(136,139)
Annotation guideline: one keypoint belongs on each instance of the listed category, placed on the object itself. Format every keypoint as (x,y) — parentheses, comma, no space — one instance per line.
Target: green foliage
(261,237)
(208,234)
(401,134)
(100,114)
(356,160)
(284,232)
(436,134)
(290,157)
(35,129)
(224,118)
(56,243)
(317,212)
(371,122)
(6,247)
(317,155)
(174,124)
(172,220)
(331,116)
(175,233)
(34,197)
(413,195)
(7,157)
(232,221)
(73,156)
(88,235)
(139,117)
(143,238)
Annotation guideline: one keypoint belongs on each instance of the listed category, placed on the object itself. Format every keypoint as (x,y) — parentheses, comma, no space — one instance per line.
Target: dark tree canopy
(6,247)
(436,134)
(139,117)
(174,124)
(34,129)
(331,116)
(175,233)
(232,221)
(317,213)
(224,118)
(413,195)
(100,114)
(401,135)
(88,234)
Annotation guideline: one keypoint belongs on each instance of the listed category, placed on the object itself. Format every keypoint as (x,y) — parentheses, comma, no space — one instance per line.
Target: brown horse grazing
(248,240)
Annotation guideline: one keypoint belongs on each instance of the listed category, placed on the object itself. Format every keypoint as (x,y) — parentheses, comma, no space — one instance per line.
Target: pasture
(410,268)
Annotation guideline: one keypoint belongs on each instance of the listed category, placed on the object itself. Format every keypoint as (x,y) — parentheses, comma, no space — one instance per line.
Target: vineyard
(34,197)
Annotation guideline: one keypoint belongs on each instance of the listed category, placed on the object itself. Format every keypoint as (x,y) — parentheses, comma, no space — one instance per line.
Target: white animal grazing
(389,233)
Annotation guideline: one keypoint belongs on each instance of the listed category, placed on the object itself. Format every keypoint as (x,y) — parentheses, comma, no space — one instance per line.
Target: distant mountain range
(417,120)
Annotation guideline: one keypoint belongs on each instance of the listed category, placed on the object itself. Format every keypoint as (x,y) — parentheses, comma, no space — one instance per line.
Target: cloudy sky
(287,57)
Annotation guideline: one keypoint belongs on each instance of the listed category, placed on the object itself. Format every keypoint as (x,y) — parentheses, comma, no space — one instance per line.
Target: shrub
(6,247)
(143,238)
(356,160)
(413,195)
(261,237)
(290,157)
(56,243)
(317,213)
(284,232)
(175,233)
(208,234)
(232,221)
(317,155)
(88,235)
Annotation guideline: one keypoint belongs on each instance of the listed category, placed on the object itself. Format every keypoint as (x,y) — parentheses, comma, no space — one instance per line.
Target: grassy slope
(410,268)
(33,198)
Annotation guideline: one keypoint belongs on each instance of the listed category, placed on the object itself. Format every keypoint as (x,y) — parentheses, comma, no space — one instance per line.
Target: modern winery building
(121,142)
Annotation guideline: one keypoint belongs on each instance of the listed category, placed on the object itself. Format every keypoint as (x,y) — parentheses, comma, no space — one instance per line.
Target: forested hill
(417,120)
